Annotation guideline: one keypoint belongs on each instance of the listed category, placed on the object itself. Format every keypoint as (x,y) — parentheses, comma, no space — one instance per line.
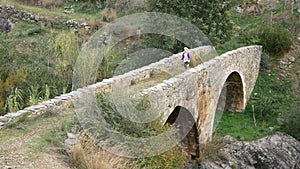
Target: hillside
(39,44)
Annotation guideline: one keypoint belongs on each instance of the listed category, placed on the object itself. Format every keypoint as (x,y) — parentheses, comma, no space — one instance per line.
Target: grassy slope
(275,92)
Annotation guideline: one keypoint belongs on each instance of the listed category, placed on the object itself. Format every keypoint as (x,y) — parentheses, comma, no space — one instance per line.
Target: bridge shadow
(186,125)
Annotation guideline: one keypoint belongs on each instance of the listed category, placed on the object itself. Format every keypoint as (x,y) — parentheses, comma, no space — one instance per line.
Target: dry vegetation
(86,155)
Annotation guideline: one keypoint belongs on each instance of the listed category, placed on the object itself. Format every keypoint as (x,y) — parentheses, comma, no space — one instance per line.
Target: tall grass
(86,155)
(14,100)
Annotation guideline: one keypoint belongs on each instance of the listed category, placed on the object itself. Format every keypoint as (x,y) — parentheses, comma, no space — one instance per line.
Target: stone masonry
(198,90)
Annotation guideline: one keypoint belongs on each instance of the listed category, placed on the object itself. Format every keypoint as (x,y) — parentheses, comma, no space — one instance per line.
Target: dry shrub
(109,14)
(86,155)
(29,2)
(113,14)
(95,24)
(210,149)
(52,3)
(84,35)
(104,14)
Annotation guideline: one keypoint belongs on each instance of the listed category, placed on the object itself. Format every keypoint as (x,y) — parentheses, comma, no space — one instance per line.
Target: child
(186,57)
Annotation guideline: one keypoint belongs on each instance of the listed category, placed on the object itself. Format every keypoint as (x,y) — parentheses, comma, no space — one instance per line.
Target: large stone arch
(190,143)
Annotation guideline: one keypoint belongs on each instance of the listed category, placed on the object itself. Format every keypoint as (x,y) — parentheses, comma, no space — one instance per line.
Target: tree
(211,16)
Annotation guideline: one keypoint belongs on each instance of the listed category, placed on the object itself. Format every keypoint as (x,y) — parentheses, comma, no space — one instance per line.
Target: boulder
(5,25)
(277,151)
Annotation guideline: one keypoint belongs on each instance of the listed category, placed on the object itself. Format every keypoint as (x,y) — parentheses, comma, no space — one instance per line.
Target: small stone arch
(190,143)
(235,100)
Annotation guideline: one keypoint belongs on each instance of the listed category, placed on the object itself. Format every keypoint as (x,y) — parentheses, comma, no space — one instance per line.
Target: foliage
(210,150)
(275,39)
(10,95)
(34,31)
(292,118)
(37,94)
(66,48)
(109,63)
(212,17)
(124,125)
(172,159)
(26,58)
(14,101)
(167,43)
(125,7)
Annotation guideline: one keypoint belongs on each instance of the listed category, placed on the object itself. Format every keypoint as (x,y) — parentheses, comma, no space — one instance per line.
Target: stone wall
(13,14)
(63,102)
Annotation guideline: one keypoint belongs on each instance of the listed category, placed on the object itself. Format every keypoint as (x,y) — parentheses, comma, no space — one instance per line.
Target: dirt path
(31,145)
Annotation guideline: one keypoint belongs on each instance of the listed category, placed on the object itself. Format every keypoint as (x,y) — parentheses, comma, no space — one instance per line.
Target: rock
(277,151)
(1,124)
(71,136)
(280,121)
(4,119)
(271,129)
(13,115)
(70,142)
(283,64)
(229,139)
(291,59)
(5,25)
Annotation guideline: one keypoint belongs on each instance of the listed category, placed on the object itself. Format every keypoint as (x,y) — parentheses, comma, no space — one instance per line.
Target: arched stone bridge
(225,82)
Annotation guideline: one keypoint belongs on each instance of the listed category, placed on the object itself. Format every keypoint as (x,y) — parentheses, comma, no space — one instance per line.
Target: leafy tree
(211,16)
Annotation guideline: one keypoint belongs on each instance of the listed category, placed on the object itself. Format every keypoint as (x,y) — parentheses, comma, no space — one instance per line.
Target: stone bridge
(222,83)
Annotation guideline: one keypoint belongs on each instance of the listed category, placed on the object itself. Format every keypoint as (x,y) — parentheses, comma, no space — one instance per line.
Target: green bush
(34,31)
(275,39)
(292,119)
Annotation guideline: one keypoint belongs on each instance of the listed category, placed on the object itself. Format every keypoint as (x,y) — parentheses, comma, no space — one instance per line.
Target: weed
(172,159)
(34,31)
(14,100)
(109,14)
(210,149)
(86,155)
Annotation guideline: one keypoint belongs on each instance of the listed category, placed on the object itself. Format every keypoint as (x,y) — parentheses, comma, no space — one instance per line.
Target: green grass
(270,98)
(241,126)
(56,136)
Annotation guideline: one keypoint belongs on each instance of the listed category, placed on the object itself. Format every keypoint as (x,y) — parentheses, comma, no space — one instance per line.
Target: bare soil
(25,146)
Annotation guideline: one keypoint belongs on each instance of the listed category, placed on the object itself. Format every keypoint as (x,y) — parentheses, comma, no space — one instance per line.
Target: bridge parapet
(62,102)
